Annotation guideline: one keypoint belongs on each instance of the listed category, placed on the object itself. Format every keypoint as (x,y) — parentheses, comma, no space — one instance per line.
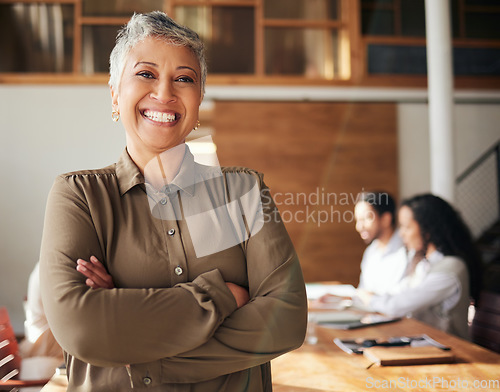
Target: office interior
(326,97)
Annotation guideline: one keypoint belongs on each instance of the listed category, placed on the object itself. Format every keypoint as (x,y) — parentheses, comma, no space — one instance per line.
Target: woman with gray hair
(158,272)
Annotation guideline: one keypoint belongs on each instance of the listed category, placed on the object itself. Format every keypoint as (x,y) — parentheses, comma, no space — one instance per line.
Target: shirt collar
(127,173)
(185,179)
(395,243)
(435,256)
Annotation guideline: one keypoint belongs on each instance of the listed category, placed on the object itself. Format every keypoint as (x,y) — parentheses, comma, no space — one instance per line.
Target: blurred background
(326,97)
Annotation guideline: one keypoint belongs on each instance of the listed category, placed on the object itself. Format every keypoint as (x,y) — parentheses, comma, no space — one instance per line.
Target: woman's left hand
(364,295)
(240,294)
(97,276)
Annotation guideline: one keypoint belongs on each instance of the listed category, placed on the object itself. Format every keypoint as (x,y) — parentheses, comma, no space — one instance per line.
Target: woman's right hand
(97,276)
(240,294)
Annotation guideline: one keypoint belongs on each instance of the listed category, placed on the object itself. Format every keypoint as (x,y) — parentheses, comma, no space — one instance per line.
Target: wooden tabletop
(325,367)
(56,384)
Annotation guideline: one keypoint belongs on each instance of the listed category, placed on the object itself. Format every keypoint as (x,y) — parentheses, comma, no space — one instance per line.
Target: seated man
(384,260)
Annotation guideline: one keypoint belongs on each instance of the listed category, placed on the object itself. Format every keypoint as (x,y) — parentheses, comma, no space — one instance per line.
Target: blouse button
(163,201)
(146,380)
(171,232)
(178,270)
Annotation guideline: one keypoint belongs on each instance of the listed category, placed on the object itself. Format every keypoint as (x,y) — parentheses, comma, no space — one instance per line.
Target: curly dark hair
(441,225)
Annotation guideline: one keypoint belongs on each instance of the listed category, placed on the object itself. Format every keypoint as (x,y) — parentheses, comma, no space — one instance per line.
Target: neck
(431,248)
(384,237)
(160,169)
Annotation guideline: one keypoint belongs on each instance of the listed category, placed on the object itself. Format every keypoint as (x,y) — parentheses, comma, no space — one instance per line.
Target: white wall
(48,130)
(476,128)
(44,131)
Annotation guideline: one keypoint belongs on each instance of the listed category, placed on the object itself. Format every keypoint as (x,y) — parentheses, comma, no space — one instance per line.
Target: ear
(114,99)
(386,220)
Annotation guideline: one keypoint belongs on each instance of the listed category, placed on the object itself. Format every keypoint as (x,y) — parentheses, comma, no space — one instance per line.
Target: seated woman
(445,270)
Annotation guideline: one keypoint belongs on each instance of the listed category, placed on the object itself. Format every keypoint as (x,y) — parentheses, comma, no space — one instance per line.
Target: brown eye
(185,79)
(146,74)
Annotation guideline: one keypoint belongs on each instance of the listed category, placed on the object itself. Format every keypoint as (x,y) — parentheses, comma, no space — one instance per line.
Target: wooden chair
(10,360)
(485,328)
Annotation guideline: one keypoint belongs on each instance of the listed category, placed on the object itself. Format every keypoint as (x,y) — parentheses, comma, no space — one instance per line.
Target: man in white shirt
(384,260)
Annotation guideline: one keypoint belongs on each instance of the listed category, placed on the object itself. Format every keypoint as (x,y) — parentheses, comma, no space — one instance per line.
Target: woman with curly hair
(445,269)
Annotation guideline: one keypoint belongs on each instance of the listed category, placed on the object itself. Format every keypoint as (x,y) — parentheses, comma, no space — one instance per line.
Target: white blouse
(429,294)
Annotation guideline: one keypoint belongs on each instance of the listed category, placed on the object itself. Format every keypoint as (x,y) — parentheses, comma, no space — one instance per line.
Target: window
(254,41)
(305,38)
(37,37)
(476,19)
(394,37)
(302,39)
(229,33)
(271,38)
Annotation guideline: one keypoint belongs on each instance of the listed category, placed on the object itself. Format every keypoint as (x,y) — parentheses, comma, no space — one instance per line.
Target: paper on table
(357,346)
(317,290)
(345,316)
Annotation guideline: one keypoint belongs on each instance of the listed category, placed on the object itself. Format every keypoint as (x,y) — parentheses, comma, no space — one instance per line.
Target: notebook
(407,355)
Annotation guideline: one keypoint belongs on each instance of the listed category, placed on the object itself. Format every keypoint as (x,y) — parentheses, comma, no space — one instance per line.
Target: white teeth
(159,116)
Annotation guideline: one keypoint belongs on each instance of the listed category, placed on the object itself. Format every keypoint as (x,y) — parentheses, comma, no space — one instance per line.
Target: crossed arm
(215,338)
(98,278)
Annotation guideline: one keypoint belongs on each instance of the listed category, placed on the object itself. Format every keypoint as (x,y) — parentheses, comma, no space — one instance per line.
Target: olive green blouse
(171,323)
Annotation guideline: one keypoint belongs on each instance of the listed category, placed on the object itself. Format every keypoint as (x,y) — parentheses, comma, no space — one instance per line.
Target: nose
(163,92)
(359,225)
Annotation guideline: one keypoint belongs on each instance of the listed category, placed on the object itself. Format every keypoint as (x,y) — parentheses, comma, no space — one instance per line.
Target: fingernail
(81,268)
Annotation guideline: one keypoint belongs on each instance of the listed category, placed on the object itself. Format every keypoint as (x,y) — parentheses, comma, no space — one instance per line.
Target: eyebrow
(186,67)
(156,66)
(145,63)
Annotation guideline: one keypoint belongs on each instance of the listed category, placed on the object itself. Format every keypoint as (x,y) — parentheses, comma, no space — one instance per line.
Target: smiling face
(158,97)
(367,222)
(409,230)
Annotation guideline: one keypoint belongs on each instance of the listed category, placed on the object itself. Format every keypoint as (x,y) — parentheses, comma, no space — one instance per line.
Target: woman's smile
(161,118)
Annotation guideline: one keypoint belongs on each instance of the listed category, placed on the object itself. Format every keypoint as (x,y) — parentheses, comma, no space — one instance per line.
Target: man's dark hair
(381,202)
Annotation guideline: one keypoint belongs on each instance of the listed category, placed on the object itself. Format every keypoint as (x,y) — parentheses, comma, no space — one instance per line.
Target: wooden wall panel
(316,158)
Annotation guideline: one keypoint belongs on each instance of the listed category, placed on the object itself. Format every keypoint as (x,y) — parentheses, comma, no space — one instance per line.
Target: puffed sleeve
(272,323)
(101,326)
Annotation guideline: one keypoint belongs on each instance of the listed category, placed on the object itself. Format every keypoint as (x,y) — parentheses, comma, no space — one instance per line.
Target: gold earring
(197,125)
(115,115)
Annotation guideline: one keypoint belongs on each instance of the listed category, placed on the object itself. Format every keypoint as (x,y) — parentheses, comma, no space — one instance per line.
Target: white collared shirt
(383,267)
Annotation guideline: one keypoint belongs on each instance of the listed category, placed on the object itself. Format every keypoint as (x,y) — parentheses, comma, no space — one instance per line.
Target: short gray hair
(154,24)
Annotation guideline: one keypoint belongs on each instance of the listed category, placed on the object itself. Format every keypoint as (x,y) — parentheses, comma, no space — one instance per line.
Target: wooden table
(325,367)
(56,384)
